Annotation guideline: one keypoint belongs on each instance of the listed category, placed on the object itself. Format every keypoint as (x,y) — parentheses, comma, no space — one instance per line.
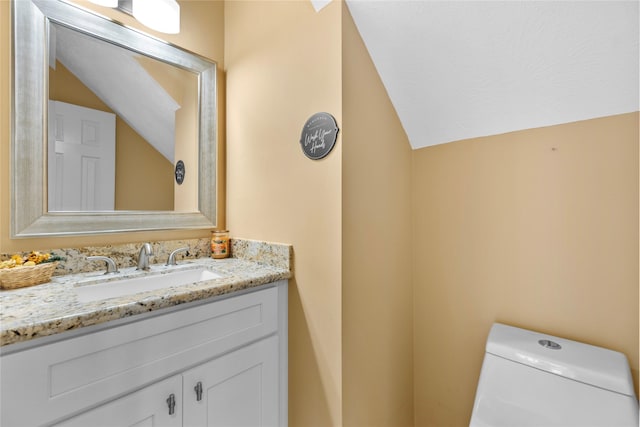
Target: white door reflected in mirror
(81,158)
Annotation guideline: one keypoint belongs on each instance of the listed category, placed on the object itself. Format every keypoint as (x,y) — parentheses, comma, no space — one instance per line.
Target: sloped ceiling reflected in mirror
(118,78)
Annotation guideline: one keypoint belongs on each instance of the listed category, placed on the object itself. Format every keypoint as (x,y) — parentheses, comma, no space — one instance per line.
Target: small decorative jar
(219,244)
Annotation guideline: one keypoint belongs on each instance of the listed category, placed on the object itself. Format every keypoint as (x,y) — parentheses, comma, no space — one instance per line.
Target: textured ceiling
(463,69)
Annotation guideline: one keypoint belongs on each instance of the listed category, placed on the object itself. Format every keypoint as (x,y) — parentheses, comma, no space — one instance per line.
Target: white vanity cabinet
(222,362)
(238,389)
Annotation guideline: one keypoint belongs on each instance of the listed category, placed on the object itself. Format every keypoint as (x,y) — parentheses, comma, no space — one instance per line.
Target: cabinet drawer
(69,375)
(146,407)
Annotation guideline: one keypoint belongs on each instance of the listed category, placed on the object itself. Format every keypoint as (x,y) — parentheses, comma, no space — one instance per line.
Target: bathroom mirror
(109,107)
(39,26)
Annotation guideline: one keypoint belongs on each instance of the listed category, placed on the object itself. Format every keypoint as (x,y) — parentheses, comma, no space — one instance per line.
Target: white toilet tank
(532,379)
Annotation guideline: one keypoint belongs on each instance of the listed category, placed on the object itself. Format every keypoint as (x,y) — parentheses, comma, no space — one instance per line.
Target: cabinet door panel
(240,389)
(148,407)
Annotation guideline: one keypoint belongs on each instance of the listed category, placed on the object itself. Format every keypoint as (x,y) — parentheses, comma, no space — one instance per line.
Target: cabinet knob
(171,402)
(198,389)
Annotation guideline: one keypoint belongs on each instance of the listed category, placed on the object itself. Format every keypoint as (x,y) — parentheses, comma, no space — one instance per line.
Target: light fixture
(159,15)
(106,3)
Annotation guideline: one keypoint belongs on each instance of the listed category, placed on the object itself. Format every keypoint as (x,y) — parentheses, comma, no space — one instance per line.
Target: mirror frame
(29,214)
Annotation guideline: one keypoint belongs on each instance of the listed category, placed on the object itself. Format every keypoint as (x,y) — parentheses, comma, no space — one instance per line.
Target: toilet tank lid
(586,363)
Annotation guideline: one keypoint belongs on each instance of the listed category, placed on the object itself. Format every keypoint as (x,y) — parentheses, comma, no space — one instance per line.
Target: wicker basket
(13,278)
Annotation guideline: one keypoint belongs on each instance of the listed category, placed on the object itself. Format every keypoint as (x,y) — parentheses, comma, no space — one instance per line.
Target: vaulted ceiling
(463,69)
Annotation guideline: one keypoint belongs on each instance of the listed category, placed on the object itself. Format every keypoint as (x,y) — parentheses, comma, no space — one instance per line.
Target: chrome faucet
(111,265)
(172,256)
(143,257)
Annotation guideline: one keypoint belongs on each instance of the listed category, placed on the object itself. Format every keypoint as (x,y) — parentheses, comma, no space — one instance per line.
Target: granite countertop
(54,307)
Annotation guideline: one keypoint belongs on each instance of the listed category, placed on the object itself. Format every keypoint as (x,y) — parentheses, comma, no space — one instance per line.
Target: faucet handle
(111,265)
(172,256)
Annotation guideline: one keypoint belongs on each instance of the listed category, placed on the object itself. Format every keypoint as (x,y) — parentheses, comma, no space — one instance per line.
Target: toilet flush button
(550,344)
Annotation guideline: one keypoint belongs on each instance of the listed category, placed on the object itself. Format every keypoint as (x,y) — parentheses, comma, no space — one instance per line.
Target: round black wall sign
(319,135)
(179,172)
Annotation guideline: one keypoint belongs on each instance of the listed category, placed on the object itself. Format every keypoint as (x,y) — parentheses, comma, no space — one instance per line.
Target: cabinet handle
(198,389)
(171,401)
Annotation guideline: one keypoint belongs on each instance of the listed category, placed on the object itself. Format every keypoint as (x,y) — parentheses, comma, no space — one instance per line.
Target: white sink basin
(134,285)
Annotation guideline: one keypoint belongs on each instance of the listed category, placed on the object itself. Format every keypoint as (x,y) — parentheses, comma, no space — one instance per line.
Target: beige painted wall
(182,85)
(203,33)
(538,229)
(377,319)
(283,64)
